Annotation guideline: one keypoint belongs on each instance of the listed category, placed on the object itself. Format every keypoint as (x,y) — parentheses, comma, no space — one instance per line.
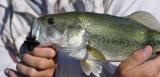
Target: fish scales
(116,37)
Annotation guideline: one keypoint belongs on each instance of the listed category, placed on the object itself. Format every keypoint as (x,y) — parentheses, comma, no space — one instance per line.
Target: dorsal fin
(146,19)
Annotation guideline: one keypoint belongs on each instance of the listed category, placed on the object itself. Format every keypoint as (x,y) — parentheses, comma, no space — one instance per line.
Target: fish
(94,38)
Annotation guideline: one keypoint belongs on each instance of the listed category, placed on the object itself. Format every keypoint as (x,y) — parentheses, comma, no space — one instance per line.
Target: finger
(38,62)
(153,66)
(158,74)
(45,52)
(31,72)
(10,73)
(139,56)
(155,62)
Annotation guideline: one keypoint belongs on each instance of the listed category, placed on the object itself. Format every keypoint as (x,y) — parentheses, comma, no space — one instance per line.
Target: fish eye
(50,21)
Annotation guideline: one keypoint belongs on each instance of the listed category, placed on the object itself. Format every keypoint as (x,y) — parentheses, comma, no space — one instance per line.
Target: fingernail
(6,71)
(148,49)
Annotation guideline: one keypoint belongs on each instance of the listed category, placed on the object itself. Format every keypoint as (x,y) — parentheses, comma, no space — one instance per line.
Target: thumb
(139,57)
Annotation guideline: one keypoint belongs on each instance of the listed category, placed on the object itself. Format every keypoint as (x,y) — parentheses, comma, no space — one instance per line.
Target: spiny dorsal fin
(146,19)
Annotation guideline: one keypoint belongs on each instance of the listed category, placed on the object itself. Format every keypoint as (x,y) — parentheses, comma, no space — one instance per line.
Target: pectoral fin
(96,54)
(93,62)
(91,66)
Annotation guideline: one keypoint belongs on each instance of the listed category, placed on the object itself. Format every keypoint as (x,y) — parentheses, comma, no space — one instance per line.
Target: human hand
(138,65)
(39,63)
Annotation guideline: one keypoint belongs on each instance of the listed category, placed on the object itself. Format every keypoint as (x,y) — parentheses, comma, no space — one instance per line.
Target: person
(138,65)
(43,60)
(16,18)
(135,66)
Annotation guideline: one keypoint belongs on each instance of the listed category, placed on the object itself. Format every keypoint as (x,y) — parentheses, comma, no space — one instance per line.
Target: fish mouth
(37,32)
(35,29)
(45,34)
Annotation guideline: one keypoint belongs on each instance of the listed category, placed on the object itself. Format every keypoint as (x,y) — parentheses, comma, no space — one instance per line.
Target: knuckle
(50,73)
(31,72)
(138,56)
(52,52)
(25,57)
(18,66)
(42,64)
(35,51)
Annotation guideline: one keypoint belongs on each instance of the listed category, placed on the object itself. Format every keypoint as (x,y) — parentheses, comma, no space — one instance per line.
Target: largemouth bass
(96,38)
